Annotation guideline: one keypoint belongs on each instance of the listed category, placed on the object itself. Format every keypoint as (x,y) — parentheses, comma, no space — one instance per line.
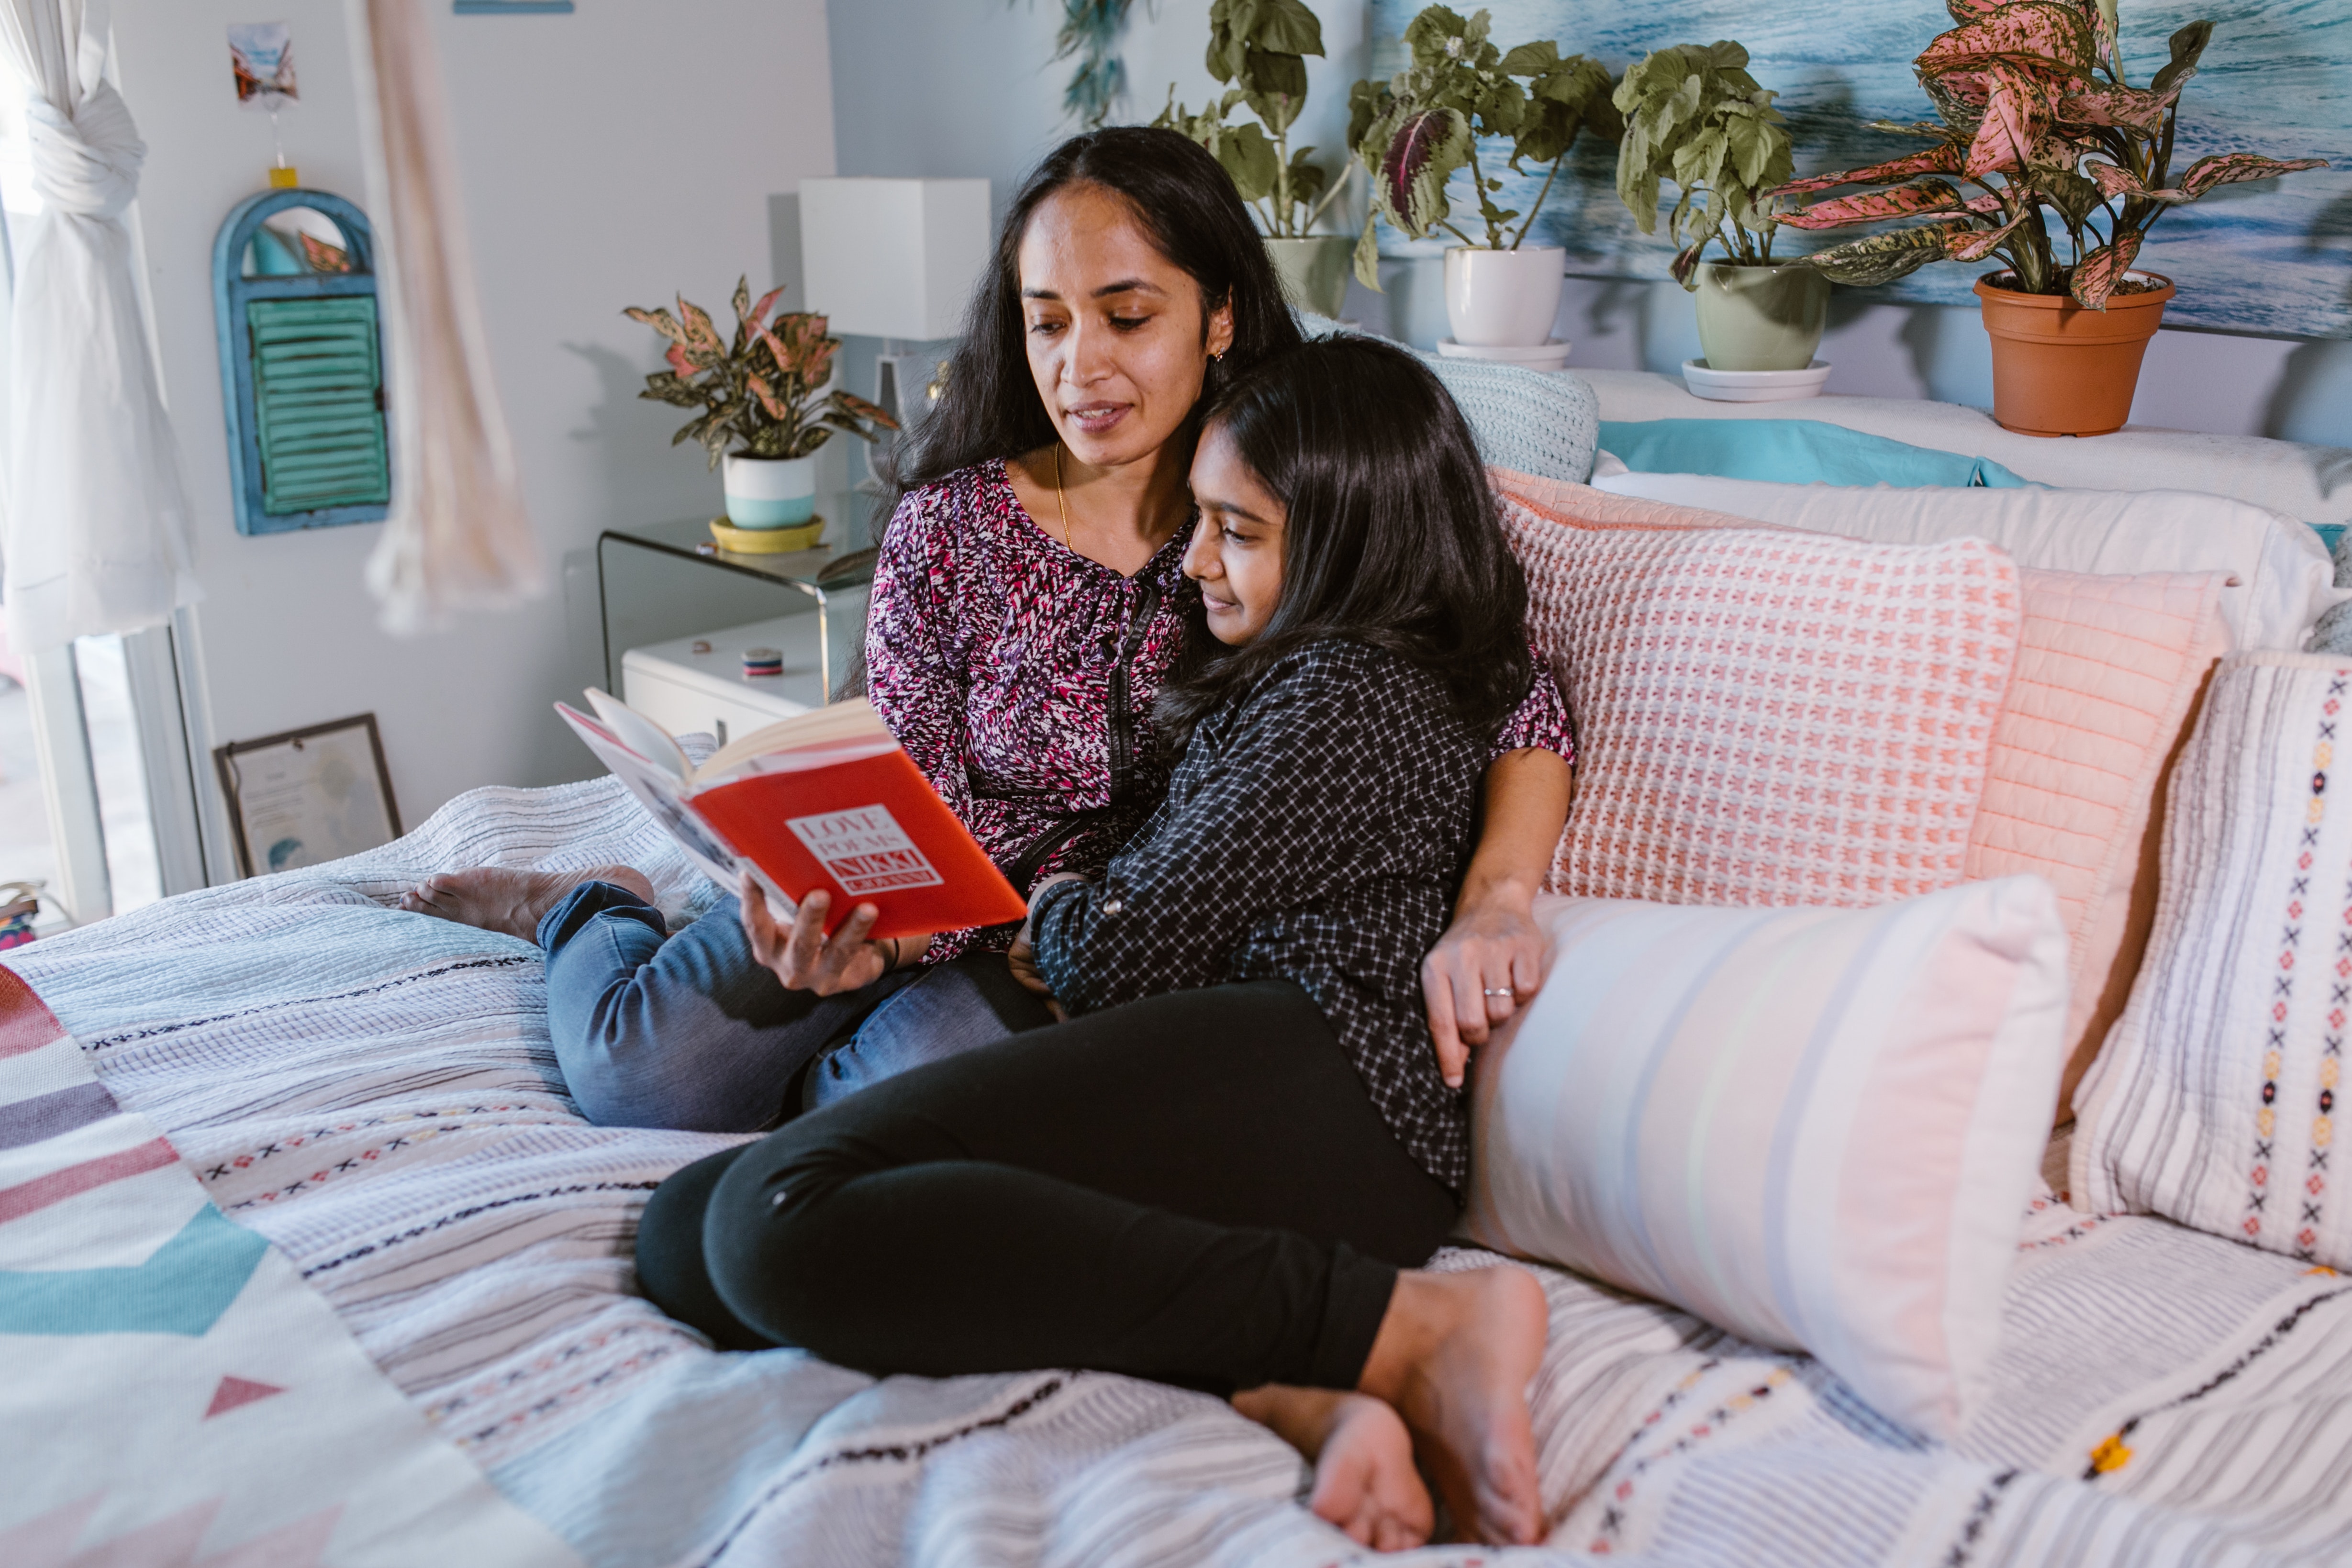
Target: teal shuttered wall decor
(302,370)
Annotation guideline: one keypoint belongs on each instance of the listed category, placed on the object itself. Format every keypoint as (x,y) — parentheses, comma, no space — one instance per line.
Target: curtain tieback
(86,163)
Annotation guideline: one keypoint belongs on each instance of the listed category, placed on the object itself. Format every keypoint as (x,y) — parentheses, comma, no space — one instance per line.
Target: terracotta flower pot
(2060,370)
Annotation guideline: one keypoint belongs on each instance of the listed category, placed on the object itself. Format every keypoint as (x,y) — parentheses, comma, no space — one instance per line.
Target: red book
(824,800)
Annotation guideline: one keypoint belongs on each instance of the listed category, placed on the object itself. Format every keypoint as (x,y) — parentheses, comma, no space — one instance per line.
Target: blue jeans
(691,1032)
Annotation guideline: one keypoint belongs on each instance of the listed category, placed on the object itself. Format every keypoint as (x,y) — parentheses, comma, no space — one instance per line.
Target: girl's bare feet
(1364,1481)
(497,899)
(1454,1356)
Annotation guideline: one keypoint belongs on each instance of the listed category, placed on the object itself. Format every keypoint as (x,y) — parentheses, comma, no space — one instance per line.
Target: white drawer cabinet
(686,692)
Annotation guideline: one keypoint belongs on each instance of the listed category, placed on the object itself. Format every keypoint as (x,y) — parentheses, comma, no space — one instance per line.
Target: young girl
(1026,608)
(1223,1171)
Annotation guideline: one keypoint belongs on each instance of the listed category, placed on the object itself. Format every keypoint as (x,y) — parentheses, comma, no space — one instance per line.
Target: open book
(822,800)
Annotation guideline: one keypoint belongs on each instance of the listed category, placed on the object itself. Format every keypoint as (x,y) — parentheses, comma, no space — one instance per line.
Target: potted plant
(765,407)
(1261,47)
(2035,112)
(1414,133)
(1695,116)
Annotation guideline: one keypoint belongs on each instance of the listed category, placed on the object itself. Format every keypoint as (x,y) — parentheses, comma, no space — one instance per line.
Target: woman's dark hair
(1390,539)
(1186,203)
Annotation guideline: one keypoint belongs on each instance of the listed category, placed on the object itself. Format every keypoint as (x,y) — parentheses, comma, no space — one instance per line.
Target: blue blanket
(1792,452)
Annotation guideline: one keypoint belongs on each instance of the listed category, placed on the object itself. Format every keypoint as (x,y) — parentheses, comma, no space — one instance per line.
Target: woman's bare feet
(1364,1481)
(1454,1356)
(497,899)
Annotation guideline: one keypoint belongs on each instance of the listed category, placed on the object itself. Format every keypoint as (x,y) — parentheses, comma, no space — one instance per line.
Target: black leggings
(1195,1188)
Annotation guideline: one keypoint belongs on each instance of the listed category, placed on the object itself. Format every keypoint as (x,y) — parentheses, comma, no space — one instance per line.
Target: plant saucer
(767,541)
(1754,386)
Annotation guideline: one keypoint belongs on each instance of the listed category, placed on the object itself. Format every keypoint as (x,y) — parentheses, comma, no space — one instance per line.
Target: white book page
(663,795)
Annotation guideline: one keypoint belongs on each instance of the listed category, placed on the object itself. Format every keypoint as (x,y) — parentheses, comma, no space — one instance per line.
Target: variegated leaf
(2031,35)
(701,331)
(2232,168)
(776,408)
(1915,200)
(858,407)
(1975,245)
(2114,181)
(661,321)
(1882,258)
(680,360)
(1428,146)
(2014,120)
(1944,160)
(759,310)
(2125,108)
(2095,280)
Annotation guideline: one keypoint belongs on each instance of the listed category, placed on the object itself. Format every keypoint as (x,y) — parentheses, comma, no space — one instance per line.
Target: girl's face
(1117,342)
(1237,549)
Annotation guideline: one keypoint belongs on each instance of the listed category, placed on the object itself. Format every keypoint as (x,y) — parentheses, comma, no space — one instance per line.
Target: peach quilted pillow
(1765,717)
(2108,672)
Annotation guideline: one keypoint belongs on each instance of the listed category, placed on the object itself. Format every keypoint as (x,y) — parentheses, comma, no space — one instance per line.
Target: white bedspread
(374,1091)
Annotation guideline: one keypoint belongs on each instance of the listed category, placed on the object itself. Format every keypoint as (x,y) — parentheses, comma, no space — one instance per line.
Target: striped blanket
(373,1093)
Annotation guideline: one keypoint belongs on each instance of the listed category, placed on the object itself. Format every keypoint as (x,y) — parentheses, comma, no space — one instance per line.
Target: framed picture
(307,796)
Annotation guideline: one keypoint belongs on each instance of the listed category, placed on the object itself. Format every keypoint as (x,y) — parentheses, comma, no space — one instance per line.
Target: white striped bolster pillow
(1816,1128)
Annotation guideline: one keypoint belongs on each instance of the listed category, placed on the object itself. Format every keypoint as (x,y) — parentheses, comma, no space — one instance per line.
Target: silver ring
(1506,991)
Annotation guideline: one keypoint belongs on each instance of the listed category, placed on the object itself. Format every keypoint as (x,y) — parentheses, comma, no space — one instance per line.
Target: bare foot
(1455,1356)
(497,899)
(1364,1481)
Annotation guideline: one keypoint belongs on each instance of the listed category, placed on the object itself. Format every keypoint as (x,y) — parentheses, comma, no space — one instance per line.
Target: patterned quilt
(372,1093)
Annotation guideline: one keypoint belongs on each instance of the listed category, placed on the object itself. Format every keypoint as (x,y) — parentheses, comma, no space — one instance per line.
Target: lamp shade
(893,259)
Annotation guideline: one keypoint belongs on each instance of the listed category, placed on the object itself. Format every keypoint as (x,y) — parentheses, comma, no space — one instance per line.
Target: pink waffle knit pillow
(1763,716)
(2109,670)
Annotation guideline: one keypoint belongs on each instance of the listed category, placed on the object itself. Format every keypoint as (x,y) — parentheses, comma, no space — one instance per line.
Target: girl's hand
(1487,966)
(1023,956)
(802,955)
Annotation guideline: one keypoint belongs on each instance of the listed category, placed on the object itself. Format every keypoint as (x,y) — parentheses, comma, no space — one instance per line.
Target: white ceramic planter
(1503,298)
(771,492)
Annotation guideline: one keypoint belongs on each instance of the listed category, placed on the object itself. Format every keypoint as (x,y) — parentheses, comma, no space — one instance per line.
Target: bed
(372,1093)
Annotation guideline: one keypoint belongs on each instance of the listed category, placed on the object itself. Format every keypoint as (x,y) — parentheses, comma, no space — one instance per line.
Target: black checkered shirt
(1314,830)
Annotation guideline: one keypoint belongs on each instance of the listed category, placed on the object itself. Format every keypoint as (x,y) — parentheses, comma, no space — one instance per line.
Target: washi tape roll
(763,662)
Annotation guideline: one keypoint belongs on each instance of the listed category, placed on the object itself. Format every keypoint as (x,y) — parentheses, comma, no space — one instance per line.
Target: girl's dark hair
(1188,205)
(1390,539)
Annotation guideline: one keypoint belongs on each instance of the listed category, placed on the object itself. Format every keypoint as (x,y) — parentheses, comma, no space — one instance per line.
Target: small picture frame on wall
(307,796)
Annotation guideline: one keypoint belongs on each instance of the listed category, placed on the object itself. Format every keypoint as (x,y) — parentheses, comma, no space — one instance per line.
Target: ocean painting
(2274,256)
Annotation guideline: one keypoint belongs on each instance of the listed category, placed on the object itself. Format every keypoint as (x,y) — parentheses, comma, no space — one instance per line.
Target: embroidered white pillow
(1817,1128)
(1765,717)
(2213,1101)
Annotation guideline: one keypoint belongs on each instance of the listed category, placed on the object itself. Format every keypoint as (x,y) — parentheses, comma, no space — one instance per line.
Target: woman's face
(1237,548)
(1117,342)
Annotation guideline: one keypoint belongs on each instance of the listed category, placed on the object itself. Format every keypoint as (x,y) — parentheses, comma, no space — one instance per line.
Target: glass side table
(659,581)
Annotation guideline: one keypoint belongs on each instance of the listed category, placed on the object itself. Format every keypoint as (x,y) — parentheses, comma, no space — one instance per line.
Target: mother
(1027,606)
(1029,602)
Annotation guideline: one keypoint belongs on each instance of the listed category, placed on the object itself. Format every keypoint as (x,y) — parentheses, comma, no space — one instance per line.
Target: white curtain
(97,520)
(459,537)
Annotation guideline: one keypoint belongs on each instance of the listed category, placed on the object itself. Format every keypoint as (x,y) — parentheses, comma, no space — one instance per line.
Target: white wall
(612,157)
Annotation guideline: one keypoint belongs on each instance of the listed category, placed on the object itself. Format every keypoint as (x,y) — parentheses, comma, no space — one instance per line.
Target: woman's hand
(802,955)
(1486,967)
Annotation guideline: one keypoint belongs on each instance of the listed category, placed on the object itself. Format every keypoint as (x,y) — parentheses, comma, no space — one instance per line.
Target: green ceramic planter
(1761,318)
(1314,270)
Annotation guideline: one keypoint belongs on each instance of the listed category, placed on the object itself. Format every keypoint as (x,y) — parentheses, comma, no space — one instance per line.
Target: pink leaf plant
(761,395)
(2036,113)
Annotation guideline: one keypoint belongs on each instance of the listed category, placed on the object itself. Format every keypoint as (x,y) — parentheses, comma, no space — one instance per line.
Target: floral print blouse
(1019,676)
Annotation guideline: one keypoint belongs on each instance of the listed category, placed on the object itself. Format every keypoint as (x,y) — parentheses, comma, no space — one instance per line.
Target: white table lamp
(895,259)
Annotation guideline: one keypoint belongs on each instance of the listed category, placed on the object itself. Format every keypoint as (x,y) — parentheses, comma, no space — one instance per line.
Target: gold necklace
(1061,501)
